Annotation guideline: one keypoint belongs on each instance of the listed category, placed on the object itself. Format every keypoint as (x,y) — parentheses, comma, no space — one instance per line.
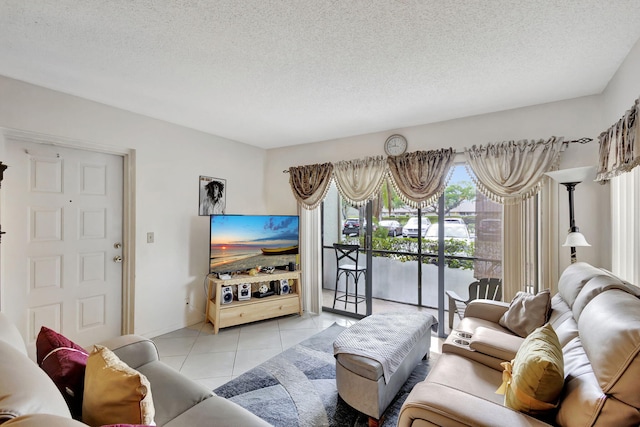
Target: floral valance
(310,183)
(421,177)
(620,145)
(510,172)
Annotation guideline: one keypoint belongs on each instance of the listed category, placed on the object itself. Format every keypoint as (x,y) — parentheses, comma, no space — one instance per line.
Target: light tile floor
(215,359)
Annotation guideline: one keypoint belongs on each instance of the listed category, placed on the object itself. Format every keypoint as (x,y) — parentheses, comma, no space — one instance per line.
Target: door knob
(117,258)
(117,245)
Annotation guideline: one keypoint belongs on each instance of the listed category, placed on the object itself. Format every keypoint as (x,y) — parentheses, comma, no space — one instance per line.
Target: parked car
(410,229)
(351,226)
(393,227)
(454,231)
(452,220)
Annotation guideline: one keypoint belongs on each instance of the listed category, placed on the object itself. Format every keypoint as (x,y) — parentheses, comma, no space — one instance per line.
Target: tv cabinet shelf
(239,312)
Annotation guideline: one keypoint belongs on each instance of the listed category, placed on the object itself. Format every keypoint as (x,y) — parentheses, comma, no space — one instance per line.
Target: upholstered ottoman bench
(375,357)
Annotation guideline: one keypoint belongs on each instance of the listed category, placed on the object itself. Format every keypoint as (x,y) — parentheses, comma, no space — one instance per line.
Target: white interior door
(62,252)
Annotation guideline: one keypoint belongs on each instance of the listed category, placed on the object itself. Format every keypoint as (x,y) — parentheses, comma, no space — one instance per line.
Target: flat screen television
(242,242)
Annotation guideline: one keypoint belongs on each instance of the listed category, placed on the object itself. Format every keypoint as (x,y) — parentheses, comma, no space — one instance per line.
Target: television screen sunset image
(240,242)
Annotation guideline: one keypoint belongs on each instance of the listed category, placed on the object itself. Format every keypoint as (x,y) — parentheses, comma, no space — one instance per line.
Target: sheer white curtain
(310,259)
(625,226)
(549,235)
(532,244)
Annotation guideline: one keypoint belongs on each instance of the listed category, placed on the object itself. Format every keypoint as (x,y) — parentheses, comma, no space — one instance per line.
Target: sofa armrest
(486,309)
(437,404)
(134,350)
(498,344)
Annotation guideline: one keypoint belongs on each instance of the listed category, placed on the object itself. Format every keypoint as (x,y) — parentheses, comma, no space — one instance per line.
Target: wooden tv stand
(239,312)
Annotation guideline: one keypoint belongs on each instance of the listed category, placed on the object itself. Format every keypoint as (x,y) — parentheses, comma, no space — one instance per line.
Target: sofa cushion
(41,420)
(527,312)
(25,388)
(562,321)
(494,343)
(167,383)
(533,381)
(114,392)
(596,286)
(582,397)
(612,343)
(471,376)
(64,361)
(573,279)
(10,334)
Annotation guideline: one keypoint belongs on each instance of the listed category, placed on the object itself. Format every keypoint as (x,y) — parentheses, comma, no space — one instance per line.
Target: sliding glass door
(413,256)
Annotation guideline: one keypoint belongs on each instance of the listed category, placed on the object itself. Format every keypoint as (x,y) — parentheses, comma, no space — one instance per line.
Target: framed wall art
(212,195)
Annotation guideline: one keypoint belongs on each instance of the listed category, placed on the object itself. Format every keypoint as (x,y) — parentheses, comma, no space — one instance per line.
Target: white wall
(169,159)
(572,119)
(623,89)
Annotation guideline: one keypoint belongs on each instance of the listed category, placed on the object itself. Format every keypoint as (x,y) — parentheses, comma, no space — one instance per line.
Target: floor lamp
(570,178)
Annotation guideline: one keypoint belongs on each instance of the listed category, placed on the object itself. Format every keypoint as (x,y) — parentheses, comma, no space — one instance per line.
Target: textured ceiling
(277,73)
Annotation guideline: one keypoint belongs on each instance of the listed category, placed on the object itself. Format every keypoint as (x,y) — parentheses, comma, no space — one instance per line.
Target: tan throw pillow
(527,312)
(533,380)
(114,393)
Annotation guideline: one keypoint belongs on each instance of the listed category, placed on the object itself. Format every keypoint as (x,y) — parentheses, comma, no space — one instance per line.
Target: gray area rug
(298,387)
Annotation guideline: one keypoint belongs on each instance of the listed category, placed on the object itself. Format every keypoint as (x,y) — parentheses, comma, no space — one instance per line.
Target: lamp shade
(574,174)
(576,238)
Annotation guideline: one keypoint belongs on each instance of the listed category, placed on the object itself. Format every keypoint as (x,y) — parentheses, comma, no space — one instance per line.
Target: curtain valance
(510,172)
(620,145)
(310,183)
(506,172)
(421,177)
(360,180)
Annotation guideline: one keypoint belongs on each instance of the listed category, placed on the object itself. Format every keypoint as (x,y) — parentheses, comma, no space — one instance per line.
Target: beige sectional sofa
(28,397)
(596,317)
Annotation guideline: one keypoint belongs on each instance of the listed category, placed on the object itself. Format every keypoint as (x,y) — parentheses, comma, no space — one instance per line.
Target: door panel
(63,210)
(342,223)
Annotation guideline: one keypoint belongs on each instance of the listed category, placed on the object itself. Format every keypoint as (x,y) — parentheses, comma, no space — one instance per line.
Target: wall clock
(395,145)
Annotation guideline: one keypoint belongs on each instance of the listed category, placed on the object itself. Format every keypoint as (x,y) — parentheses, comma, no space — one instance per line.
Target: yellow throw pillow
(533,380)
(114,393)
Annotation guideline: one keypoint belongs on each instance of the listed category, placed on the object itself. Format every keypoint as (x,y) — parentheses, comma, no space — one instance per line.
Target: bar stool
(347,266)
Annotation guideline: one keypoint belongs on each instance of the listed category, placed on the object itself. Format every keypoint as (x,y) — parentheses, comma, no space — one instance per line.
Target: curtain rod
(579,140)
(573,141)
